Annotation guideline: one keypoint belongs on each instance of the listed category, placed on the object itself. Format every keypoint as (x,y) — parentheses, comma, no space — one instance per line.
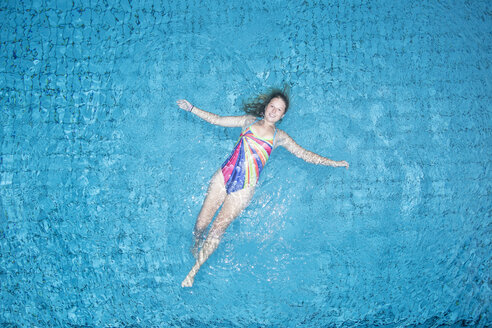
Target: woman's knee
(217,231)
(200,226)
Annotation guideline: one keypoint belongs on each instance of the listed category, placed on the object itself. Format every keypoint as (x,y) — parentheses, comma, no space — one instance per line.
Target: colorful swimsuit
(243,167)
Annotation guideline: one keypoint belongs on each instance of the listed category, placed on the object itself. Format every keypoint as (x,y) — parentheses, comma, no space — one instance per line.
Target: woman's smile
(275,109)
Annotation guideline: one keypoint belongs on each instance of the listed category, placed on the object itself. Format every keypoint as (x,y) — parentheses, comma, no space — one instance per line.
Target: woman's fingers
(344,163)
(184,104)
(181,104)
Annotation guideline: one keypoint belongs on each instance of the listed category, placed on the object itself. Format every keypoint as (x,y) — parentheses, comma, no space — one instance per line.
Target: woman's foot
(188,281)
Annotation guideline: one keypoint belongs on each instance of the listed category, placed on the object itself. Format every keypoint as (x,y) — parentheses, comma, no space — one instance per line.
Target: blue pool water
(102,177)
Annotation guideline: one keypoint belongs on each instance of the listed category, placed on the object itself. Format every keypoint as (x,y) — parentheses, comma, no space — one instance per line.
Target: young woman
(233,185)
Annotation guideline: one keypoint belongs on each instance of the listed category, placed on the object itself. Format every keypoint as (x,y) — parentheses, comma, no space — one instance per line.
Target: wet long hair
(257,105)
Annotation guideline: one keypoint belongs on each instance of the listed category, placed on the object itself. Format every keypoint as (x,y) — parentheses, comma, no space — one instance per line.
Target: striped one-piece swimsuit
(243,167)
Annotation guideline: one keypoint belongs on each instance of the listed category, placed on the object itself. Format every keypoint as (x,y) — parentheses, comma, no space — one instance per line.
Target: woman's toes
(187,282)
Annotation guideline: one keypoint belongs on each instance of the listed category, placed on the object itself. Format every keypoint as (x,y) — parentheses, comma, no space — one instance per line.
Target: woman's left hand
(343,163)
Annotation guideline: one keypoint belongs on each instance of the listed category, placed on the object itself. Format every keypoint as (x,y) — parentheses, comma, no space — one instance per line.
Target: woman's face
(275,110)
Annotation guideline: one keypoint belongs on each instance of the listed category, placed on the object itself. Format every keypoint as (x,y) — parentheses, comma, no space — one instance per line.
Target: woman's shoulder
(281,137)
(282,134)
(248,120)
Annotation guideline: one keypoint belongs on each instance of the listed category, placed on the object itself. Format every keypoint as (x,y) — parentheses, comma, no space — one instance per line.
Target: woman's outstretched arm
(227,121)
(286,141)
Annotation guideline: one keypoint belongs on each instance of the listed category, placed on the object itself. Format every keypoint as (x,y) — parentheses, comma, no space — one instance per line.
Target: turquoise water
(102,177)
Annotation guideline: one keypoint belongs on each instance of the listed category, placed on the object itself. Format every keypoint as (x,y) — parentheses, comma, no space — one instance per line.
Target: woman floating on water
(233,185)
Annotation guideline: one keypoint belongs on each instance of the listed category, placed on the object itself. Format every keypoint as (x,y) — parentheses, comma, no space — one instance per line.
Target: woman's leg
(215,197)
(233,205)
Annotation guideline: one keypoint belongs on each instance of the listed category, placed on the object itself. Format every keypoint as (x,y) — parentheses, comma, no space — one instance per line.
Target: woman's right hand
(184,104)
